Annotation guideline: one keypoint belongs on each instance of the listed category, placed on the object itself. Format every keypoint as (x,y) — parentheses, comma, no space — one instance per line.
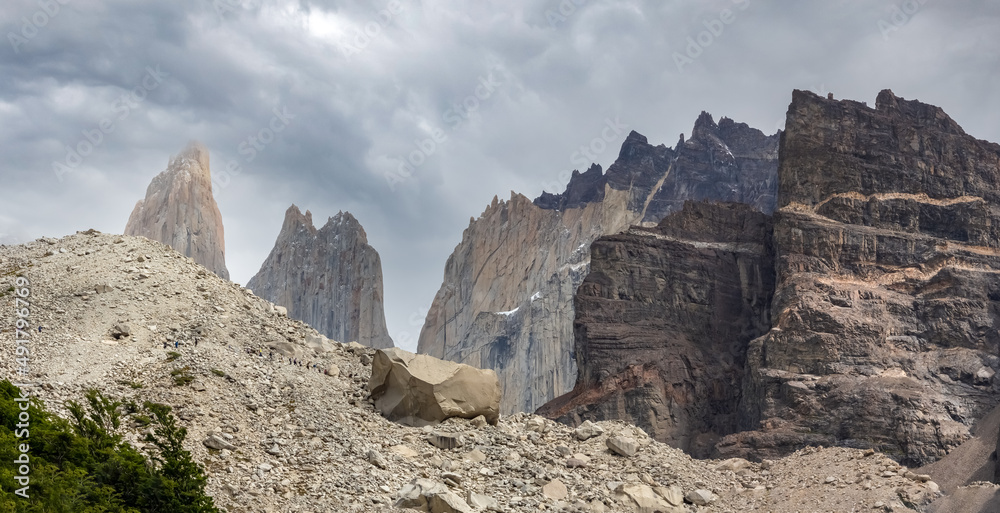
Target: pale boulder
(420,390)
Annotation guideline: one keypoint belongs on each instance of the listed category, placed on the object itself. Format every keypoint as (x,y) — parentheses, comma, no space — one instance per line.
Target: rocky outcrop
(180,211)
(507,298)
(887,303)
(419,390)
(882,326)
(330,278)
(663,321)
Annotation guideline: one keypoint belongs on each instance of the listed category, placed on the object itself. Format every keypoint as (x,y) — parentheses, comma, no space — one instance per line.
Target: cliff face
(507,298)
(330,278)
(180,211)
(663,321)
(888,283)
(884,303)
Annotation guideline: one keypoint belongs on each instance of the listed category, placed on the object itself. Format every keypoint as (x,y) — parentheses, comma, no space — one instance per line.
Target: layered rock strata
(180,211)
(507,298)
(888,283)
(328,277)
(663,321)
(884,312)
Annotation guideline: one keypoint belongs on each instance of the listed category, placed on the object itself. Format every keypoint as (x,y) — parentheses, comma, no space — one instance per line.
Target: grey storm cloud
(414,114)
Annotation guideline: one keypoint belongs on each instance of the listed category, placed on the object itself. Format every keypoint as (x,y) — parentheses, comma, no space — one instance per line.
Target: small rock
(555,490)
(623,446)
(445,441)
(587,430)
(672,494)
(215,442)
(483,502)
(375,458)
(701,497)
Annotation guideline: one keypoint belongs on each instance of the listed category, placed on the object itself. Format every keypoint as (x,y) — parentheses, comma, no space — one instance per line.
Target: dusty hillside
(305,441)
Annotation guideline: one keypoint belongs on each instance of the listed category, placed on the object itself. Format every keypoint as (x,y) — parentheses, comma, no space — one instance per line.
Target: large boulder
(419,390)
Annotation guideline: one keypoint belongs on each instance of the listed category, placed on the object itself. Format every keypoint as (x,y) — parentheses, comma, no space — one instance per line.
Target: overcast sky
(481,97)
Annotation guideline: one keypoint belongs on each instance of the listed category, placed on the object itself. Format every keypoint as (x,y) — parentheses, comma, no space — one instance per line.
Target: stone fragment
(121,330)
(672,494)
(483,502)
(215,442)
(448,502)
(701,497)
(587,430)
(622,445)
(375,458)
(733,465)
(475,456)
(404,451)
(644,499)
(415,494)
(445,441)
(419,390)
(555,490)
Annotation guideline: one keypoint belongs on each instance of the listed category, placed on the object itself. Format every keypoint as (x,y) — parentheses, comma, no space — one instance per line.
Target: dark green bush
(82,466)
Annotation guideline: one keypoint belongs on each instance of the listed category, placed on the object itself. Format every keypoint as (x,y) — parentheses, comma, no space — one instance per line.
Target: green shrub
(82,465)
(218,373)
(173,355)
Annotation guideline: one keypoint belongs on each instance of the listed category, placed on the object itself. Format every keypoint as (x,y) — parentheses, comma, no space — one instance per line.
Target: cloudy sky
(413,114)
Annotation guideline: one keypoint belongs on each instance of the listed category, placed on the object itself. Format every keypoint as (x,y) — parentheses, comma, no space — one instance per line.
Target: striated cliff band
(330,278)
(180,211)
(506,302)
(882,325)
(663,321)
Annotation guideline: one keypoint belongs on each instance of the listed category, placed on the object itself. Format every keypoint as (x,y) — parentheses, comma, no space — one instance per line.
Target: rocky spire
(328,277)
(180,211)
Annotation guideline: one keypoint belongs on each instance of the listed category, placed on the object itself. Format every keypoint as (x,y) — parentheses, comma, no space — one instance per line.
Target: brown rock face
(663,321)
(180,211)
(885,306)
(888,283)
(330,278)
(507,298)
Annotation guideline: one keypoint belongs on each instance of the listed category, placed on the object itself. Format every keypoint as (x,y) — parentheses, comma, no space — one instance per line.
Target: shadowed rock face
(883,317)
(663,321)
(180,211)
(330,278)
(886,308)
(507,298)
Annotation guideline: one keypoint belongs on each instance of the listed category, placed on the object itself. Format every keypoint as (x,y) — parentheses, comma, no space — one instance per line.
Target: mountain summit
(328,277)
(180,211)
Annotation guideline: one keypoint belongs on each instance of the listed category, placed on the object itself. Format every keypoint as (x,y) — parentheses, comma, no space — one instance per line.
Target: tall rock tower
(506,301)
(330,278)
(180,211)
